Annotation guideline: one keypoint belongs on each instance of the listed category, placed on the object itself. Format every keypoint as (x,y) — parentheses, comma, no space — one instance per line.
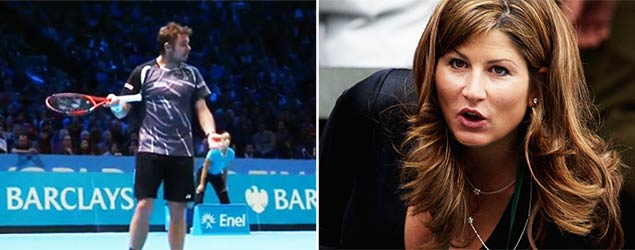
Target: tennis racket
(76,104)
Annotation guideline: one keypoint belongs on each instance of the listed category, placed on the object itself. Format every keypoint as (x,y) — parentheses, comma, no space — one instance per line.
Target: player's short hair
(169,33)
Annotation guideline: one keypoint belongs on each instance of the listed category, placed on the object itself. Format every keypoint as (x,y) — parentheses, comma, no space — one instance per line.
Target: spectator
(106,140)
(84,135)
(85,148)
(68,148)
(24,146)
(250,152)
(44,140)
(284,148)
(265,141)
(132,147)
(26,152)
(113,150)
(3,143)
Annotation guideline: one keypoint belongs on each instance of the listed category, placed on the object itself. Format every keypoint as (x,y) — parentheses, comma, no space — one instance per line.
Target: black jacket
(359,170)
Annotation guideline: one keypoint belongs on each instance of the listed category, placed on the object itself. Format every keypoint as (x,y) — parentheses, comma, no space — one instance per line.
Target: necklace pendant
(476,191)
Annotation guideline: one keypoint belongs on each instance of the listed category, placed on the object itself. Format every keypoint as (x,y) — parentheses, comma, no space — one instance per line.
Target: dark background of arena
(258,59)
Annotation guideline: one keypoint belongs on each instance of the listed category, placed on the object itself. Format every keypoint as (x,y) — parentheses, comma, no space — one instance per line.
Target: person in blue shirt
(214,170)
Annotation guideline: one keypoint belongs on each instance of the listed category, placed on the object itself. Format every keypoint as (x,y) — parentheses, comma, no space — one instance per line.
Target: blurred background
(359,37)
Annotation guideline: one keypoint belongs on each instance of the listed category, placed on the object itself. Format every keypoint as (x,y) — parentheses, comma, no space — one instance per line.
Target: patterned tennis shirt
(165,113)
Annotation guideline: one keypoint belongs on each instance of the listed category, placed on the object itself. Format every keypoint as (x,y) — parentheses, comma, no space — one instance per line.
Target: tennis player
(172,91)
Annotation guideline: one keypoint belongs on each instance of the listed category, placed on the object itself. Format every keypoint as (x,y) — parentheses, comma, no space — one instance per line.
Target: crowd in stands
(257,58)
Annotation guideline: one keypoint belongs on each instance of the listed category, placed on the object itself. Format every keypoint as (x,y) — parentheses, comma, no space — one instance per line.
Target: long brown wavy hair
(578,177)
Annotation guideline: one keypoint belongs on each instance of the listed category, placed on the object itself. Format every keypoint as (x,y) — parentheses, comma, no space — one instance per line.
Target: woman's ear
(532,96)
(533,102)
(534,92)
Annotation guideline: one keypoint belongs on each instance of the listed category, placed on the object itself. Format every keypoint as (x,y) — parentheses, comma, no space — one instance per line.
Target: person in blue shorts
(214,170)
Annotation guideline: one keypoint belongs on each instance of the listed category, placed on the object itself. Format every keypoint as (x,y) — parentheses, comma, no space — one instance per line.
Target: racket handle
(129,98)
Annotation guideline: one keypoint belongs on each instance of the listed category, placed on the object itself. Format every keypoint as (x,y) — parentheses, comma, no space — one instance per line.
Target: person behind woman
(502,150)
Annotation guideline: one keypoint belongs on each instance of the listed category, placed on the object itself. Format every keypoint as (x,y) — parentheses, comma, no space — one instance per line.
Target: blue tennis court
(296,240)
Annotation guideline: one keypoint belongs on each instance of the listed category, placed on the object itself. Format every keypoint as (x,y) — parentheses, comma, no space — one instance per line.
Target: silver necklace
(478,191)
(470,221)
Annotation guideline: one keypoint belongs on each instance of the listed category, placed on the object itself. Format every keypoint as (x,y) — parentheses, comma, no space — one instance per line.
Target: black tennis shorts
(176,173)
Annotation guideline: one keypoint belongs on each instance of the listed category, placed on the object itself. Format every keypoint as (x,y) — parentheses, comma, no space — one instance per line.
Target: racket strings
(70,104)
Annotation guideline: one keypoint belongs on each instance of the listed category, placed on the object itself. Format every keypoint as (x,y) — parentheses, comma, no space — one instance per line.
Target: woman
(502,150)
(215,169)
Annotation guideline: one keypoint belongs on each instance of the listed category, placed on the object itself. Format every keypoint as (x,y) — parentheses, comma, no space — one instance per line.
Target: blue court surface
(293,240)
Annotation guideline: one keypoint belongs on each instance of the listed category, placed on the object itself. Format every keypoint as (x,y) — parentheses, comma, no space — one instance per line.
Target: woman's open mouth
(471,119)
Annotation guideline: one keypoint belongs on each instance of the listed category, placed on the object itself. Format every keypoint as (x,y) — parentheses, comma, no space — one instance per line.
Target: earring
(535,101)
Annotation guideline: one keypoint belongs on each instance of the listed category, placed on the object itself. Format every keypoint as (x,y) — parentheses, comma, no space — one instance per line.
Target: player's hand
(114,103)
(214,140)
(200,189)
(113,100)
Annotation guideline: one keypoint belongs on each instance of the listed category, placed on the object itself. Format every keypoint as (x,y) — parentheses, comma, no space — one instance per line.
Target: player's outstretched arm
(206,119)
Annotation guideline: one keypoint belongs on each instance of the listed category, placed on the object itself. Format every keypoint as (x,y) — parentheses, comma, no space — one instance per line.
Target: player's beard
(176,58)
(182,57)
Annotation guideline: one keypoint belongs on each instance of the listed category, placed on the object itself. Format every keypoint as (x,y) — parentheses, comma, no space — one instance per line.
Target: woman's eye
(500,71)
(455,63)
